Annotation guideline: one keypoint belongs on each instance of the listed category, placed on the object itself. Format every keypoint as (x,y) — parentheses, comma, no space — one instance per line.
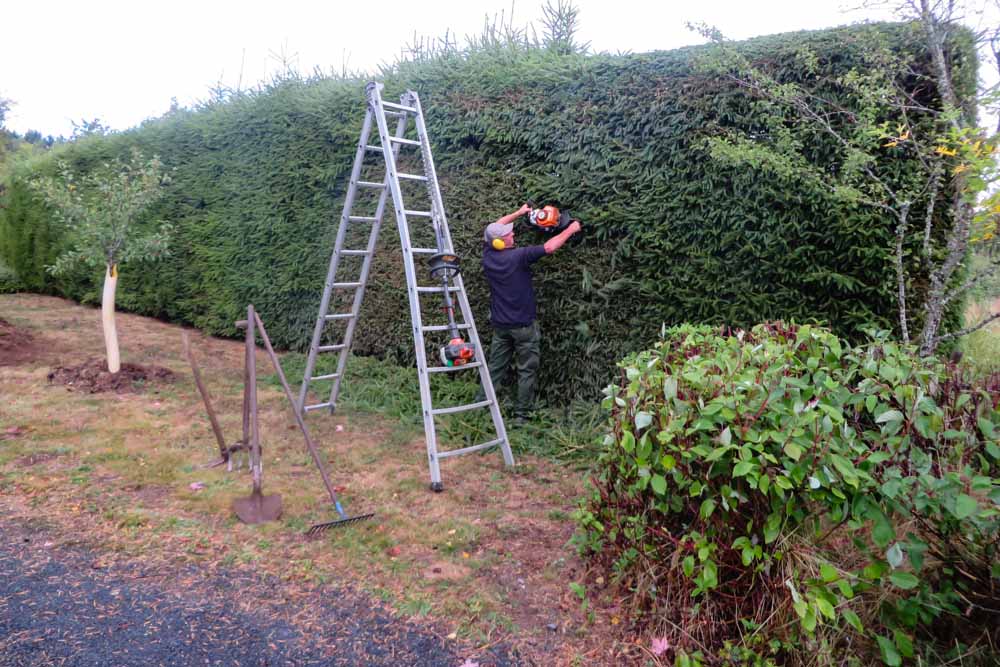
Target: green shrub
(617,139)
(780,492)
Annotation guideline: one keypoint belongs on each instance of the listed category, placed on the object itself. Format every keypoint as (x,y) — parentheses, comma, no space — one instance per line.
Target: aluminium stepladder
(378,112)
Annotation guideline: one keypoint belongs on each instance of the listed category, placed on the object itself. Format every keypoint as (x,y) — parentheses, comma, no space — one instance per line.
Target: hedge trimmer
(548,218)
(445,266)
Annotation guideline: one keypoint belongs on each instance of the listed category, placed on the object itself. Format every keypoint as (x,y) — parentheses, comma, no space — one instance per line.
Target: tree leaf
(965,506)
(890,656)
(904,580)
(659,484)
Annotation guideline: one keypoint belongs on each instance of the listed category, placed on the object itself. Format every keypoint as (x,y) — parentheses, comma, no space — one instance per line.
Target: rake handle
(223,451)
(298,418)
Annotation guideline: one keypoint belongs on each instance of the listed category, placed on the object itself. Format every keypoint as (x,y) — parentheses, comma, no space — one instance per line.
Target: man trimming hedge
(512,306)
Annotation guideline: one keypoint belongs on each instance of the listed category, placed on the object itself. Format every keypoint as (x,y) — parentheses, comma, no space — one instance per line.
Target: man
(512,306)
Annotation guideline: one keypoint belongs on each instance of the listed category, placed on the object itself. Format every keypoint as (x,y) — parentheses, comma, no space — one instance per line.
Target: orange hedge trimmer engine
(549,218)
(457,352)
(445,266)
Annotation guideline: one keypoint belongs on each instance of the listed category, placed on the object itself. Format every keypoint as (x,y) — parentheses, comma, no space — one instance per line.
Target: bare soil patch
(17,346)
(34,459)
(13,432)
(93,377)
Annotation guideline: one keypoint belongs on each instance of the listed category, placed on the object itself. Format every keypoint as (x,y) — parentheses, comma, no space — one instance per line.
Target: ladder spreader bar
(329,376)
(318,406)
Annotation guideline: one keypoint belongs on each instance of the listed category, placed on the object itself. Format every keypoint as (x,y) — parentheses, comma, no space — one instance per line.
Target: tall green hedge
(669,236)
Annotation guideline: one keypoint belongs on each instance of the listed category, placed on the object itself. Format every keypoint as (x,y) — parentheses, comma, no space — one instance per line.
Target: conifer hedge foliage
(669,235)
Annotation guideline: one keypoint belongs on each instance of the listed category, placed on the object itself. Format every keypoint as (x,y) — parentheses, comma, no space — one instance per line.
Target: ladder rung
(330,348)
(361,218)
(469,450)
(431,290)
(370,147)
(329,376)
(345,285)
(398,107)
(370,184)
(394,114)
(412,177)
(318,406)
(400,140)
(452,369)
(445,327)
(353,252)
(339,316)
(424,251)
(460,408)
(423,214)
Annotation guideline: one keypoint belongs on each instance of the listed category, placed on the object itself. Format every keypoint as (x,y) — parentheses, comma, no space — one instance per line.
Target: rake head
(320,528)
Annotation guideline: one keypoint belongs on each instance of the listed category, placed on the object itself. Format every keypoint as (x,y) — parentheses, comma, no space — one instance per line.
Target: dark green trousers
(523,346)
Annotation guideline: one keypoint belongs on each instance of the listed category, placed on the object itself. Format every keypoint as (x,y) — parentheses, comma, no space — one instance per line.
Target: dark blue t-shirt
(512,296)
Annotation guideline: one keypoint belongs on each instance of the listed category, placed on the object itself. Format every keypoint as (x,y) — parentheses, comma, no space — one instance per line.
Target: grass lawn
(487,560)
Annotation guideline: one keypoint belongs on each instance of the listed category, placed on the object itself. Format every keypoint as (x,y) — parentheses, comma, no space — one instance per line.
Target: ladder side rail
(484,372)
(359,294)
(414,298)
(331,273)
(439,219)
(463,299)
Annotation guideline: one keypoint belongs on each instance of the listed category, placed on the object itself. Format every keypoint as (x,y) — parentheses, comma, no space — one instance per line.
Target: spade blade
(258,508)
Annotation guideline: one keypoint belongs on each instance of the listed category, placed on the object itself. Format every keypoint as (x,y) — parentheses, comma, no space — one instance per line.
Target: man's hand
(559,239)
(524,209)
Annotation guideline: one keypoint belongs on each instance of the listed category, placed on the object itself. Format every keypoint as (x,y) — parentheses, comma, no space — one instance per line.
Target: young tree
(955,160)
(101,211)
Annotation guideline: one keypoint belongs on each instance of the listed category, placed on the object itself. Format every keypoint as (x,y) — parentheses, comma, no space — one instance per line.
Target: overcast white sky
(122,62)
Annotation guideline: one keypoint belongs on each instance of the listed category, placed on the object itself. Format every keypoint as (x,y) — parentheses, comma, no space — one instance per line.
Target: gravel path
(60,606)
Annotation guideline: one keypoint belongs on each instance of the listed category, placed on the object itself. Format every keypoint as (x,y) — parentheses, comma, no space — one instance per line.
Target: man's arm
(557,241)
(507,219)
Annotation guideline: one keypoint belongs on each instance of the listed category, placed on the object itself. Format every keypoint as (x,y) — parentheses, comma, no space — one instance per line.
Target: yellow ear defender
(498,244)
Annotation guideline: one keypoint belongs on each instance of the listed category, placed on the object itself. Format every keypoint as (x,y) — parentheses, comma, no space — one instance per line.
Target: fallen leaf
(660,645)
(469,663)
(340,427)
(196,486)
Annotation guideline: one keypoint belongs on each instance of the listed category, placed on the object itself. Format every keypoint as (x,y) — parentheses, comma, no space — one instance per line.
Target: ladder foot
(437,487)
